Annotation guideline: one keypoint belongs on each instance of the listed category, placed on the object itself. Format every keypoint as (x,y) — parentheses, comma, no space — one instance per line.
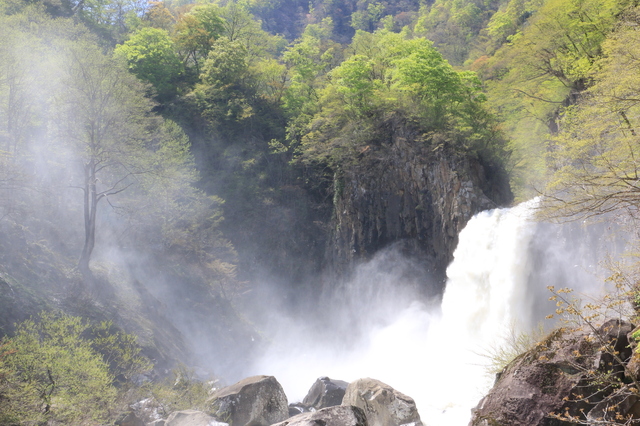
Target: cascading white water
(485,298)
(431,353)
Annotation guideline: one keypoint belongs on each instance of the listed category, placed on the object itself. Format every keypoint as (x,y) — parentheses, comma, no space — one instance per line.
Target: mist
(379,325)
(379,322)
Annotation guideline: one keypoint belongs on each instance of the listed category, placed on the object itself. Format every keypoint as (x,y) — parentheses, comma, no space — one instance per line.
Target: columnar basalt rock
(408,191)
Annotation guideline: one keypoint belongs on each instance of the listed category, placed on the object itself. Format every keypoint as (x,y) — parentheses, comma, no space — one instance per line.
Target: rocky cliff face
(409,192)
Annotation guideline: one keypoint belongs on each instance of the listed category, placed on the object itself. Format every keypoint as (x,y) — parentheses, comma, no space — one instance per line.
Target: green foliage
(505,23)
(453,25)
(394,72)
(368,17)
(111,19)
(308,59)
(224,97)
(158,15)
(515,343)
(238,24)
(51,372)
(151,56)
(545,66)
(195,33)
(226,64)
(180,391)
(594,154)
(120,351)
(354,83)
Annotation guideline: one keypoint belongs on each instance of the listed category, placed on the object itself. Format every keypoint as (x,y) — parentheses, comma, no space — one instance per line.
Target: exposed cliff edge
(412,191)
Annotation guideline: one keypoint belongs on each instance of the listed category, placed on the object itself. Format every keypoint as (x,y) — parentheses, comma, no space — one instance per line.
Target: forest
(158,159)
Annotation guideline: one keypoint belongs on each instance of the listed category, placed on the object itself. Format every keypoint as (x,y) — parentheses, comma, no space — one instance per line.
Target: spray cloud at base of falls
(378,325)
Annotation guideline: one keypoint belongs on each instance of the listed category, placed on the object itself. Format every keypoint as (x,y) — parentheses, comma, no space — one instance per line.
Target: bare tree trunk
(90,205)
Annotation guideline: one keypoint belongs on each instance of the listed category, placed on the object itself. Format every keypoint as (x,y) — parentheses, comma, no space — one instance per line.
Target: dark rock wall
(407,192)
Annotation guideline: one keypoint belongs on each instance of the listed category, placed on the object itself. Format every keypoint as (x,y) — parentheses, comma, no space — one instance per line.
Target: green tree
(392,73)
(367,17)
(428,78)
(195,33)
(53,374)
(545,66)
(223,96)
(109,18)
(595,153)
(151,56)
(20,113)
(309,61)
(453,25)
(159,16)
(107,124)
(354,81)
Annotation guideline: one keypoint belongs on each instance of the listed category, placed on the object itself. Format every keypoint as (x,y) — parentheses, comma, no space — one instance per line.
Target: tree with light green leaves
(545,66)
(595,154)
(195,32)
(51,372)
(151,56)
(394,74)
(104,120)
(111,137)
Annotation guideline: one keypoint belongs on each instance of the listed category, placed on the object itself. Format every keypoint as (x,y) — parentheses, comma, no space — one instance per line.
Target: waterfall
(434,352)
(485,299)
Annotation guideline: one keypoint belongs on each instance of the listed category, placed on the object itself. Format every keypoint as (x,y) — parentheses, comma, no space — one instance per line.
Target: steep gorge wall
(410,194)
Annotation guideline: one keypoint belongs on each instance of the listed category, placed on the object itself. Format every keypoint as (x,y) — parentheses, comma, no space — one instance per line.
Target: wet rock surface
(382,404)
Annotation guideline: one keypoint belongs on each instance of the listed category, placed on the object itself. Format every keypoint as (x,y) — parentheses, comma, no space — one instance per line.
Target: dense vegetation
(178,135)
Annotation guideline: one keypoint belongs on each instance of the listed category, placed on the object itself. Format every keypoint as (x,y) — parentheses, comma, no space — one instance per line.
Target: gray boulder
(340,415)
(561,377)
(382,404)
(192,418)
(325,393)
(298,408)
(257,400)
(130,420)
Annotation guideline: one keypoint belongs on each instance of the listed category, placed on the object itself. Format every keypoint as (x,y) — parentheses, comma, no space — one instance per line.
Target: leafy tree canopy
(151,56)
(595,153)
(50,371)
(394,72)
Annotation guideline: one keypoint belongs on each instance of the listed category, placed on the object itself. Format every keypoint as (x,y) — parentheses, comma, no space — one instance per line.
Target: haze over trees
(205,141)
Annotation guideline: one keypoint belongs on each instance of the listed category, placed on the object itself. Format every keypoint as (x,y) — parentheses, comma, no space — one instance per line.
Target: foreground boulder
(340,415)
(566,377)
(190,418)
(258,401)
(130,420)
(325,393)
(382,405)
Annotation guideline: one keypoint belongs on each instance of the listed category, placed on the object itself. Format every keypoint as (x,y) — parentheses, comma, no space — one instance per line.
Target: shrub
(51,371)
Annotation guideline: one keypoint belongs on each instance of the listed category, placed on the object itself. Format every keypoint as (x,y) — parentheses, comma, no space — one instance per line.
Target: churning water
(430,351)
